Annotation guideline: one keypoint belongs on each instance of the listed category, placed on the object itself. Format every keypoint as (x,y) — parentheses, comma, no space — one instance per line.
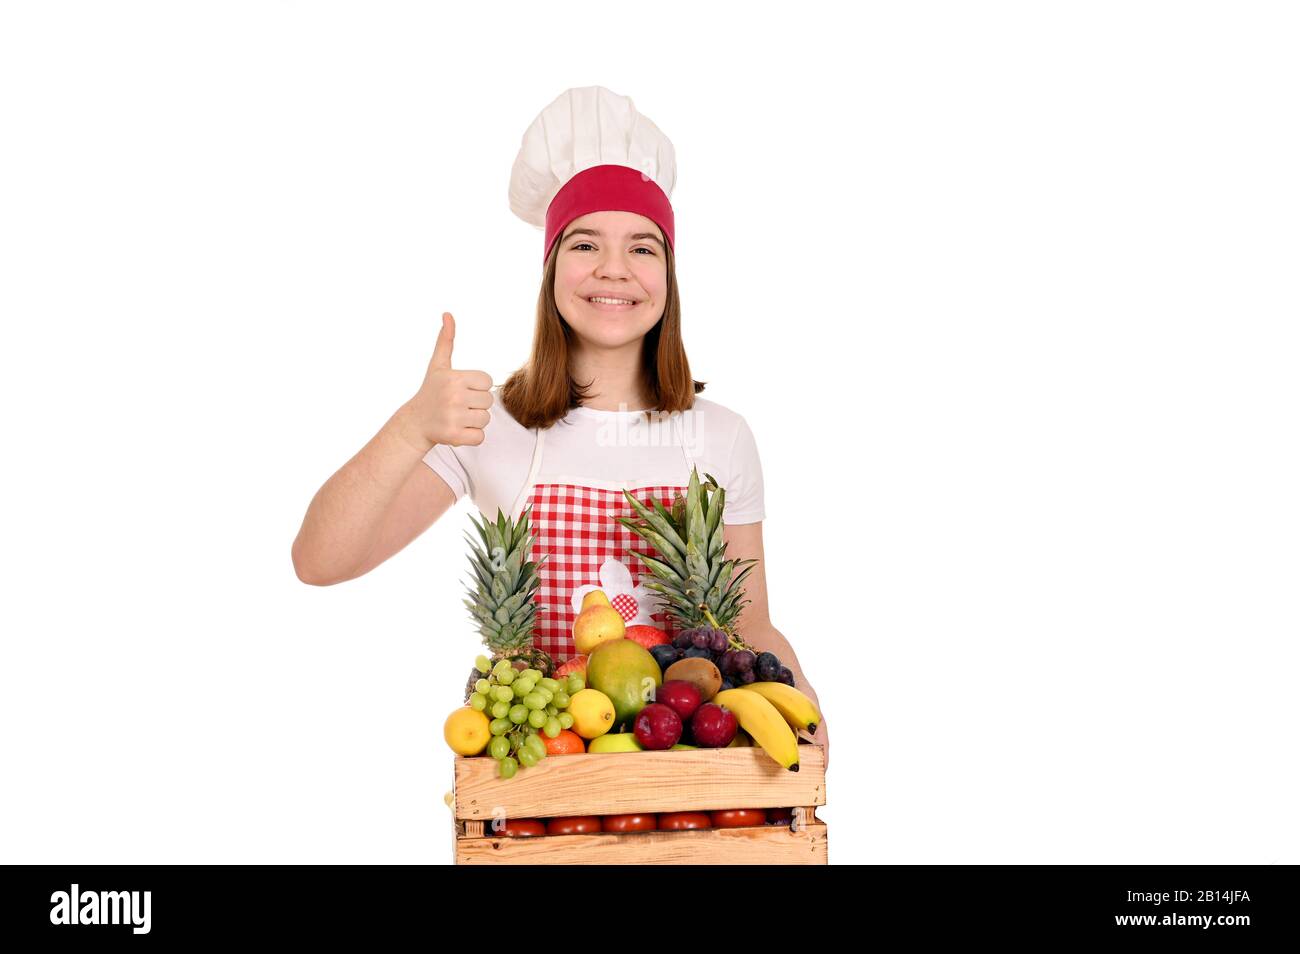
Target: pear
(595,598)
(595,625)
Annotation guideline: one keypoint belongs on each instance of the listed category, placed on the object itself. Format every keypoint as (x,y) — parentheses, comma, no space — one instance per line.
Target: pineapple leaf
(736,583)
(666,550)
(504,583)
(693,493)
(658,567)
(656,522)
(679,510)
(717,543)
(715,512)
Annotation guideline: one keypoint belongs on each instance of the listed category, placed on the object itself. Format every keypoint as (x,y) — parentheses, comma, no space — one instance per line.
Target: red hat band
(608,188)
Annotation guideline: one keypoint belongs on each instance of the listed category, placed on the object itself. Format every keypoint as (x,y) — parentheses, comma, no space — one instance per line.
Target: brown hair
(543,391)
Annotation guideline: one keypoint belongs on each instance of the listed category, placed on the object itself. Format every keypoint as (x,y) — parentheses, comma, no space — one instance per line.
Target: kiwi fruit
(701,673)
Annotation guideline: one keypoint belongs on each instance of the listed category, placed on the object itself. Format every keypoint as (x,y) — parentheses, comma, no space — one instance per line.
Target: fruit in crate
(627,674)
(594,598)
(597,623)
(797,709)
(614,742)
(647,636)
(576,664)
(567,742)
(763,723)
(702,590)
(466,731)
(592,712)
(700,673)
(681,696)
(713,726)
(527,711)
(657,726)
(664,655)
(741,741)
(501,593)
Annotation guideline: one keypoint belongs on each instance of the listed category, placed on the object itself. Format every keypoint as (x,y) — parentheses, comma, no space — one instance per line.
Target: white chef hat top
(579,156)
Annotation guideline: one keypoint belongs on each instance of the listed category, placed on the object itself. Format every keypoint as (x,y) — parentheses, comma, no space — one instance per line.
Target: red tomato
(575,825)
(683,821)
(781,816)
(739,818)
(520,828)
(629,822)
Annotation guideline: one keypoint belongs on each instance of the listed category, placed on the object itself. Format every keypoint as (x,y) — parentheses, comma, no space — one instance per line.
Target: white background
(1006,291)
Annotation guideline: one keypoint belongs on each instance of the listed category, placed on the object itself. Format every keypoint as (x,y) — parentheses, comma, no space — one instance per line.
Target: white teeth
(612,301)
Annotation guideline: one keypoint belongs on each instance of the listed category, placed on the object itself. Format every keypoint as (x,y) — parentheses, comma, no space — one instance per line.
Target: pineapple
(690,568)
(501,592)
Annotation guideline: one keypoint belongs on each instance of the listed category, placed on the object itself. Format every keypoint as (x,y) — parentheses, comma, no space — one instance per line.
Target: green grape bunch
(522,704)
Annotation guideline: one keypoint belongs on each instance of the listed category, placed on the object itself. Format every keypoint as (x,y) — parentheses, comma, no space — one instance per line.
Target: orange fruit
(567,742)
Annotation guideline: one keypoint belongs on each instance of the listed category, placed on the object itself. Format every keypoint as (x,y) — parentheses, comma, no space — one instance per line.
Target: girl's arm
(745,542)
(373,506)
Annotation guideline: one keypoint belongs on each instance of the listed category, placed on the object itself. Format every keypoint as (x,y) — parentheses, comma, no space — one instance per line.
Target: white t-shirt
(608,445)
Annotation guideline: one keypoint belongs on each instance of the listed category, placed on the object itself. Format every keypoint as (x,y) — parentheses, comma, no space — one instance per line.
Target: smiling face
(611,254)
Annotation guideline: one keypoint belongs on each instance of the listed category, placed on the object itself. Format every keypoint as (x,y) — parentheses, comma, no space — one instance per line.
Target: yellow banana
(797,708)
(764,724)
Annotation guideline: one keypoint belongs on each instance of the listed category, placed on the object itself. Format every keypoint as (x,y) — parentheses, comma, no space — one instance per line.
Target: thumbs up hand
(451,406)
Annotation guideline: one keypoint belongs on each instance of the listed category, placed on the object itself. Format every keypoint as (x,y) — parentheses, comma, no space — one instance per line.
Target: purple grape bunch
(738,666)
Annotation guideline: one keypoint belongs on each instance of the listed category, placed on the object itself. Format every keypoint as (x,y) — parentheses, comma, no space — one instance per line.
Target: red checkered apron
(573,522)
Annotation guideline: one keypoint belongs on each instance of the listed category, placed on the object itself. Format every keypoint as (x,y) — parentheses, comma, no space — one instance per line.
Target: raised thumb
(446,337)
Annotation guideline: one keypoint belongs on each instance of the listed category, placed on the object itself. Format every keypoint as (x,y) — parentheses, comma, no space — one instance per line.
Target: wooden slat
(618,783)
(768,845)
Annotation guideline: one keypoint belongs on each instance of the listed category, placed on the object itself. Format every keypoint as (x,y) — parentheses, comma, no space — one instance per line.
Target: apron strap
(681,437)
(539,439)
(539,442)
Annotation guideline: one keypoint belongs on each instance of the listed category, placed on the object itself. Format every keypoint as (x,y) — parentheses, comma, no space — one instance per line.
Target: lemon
(466,731)
(592,711)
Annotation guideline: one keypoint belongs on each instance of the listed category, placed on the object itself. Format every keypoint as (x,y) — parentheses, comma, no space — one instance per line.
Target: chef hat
(589,151)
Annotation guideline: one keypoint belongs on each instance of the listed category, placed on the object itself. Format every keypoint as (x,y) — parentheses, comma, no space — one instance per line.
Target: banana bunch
(797,709)
(764,724)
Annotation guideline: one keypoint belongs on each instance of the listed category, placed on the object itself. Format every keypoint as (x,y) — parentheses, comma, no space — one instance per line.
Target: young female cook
(558,436)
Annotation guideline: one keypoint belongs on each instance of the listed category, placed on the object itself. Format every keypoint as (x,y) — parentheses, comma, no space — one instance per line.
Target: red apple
(713,726)
(574,664)
(681,696)
(657,727)
(647,636)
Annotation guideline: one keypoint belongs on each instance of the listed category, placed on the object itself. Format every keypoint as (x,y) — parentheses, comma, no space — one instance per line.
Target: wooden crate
(652,782)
